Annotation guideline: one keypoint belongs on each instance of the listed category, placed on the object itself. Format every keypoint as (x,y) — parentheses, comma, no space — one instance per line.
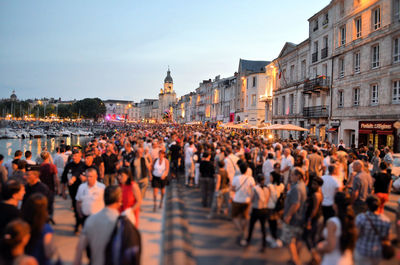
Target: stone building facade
(366,72)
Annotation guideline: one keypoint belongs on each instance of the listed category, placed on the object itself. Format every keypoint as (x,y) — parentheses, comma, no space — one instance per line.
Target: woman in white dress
(340,234)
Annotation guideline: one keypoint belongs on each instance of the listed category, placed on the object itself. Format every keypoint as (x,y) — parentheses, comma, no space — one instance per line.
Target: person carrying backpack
(125,245)
(275,206)
(259,199)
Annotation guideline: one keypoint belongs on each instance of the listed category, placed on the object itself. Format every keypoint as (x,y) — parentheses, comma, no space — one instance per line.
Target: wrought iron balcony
(324,53)
(316,112)
(314,57)
(321,83)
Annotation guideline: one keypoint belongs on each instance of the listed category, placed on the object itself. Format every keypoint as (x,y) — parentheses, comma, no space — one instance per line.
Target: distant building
(167,96)
(251,85)
(122,110)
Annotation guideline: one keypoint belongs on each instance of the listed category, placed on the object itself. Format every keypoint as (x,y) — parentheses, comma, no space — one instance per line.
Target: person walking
(340,234)
(259,212)
(294,211)
(72,177)
(373,227)
(382,185)
(13,242)
(159,179)
(221,193)
(40,244)
(48,175)
(242,185)
(362,187)
(110,165)
(12,194)
(131,195)
(103,221)
(276,189)
(89,198)
(141,171)
(207,179)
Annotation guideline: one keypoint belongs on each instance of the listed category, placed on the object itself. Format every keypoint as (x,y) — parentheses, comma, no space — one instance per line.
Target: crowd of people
(330,198)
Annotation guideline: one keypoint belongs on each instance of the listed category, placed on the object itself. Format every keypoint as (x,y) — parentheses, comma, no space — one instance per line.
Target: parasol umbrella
(292,127)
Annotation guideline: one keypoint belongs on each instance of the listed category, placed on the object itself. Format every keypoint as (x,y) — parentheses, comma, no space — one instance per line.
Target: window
(303,69)
(340,99)
(292,73)
(341,67)
(315,25)
(326,20)
(247,83)
(291,102)
(254,81)
(357,62)
(356,96)
(374,94)
(343,35)
(358,27)
(396,9)
(375,56)
(284,105)
(253,100)
(396,50)
(276,106)
(342,7)
(324,51)
(376,18)
(396,92)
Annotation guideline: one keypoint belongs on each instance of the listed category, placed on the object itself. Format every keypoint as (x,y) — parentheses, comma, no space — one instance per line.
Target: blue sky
(121,49)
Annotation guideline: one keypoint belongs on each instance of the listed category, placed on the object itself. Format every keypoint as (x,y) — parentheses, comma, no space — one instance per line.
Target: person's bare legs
(293,252)
(162,196)
(155,191)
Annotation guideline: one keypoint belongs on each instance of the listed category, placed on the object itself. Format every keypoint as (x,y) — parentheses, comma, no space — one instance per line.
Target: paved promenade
(149,225)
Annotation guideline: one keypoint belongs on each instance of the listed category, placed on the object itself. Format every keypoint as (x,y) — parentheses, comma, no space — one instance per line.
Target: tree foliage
(88,108)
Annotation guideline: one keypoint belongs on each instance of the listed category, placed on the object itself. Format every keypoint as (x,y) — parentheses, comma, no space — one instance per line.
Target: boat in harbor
(33,133)
(7,133)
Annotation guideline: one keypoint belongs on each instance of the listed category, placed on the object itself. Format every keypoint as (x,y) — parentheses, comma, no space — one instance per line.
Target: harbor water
(37,145)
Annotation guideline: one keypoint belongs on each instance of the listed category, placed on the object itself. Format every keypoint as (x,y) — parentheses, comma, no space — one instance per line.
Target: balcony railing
(315,112)
(324,53)
(317,84)
(314,57)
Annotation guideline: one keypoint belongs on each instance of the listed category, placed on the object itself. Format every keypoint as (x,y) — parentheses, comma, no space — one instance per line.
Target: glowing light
(270,136)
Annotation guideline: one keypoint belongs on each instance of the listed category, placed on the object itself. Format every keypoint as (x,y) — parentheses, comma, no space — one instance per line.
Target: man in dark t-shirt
(36,186)
(110,166)
(175,152)
(13,192)
(207,172)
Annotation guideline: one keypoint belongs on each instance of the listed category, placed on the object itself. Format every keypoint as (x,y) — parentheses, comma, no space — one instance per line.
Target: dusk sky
(122,49)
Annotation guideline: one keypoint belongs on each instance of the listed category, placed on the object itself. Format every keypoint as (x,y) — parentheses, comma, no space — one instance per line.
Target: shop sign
(376,125)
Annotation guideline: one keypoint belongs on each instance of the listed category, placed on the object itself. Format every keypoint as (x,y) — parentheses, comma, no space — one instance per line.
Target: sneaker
(278,243)
(269,239)
(243,243)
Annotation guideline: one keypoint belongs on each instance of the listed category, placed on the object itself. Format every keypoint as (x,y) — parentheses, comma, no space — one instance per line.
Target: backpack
(280,202)
(124,247)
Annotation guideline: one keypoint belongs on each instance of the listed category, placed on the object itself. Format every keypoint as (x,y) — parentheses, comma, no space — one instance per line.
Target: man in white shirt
(60,160)
(28,158)
(268,167)
(287,164)
(89,198)
(329,188)
(243,186)
(189,166)
(231,166)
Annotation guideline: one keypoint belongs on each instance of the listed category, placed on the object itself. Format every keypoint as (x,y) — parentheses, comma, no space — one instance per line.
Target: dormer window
(315,25)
